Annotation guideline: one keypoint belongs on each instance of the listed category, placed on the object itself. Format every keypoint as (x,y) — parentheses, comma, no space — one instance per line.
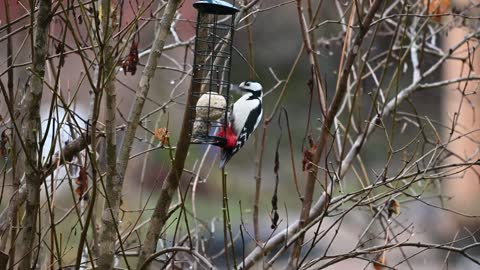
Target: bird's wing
(250,125)
(244,123)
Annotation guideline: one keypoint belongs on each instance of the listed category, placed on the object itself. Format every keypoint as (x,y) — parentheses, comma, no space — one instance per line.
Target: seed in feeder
(200,129)
(211,106)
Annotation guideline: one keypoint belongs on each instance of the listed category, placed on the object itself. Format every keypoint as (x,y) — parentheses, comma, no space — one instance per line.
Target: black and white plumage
(246,114)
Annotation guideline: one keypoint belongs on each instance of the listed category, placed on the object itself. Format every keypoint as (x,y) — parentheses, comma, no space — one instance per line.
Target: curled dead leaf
(380,261)
(82,184)
(308,154)
(393,208)
(129,64)
(162,135)
(4,143)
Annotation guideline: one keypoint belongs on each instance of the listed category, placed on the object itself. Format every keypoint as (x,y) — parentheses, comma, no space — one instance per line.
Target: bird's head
(251,87)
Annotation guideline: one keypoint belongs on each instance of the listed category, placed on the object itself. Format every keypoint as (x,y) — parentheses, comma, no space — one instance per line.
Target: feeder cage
(211,71)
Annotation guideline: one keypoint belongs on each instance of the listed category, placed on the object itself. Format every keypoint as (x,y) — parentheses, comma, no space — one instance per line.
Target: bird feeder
(211,71)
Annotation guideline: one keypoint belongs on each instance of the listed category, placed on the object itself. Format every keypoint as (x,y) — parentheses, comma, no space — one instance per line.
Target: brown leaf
(380,261)
(3,143)
(393,208)
(437,7)
(82,184)
(308,154)
(162,135)
(129,64)
(58,48)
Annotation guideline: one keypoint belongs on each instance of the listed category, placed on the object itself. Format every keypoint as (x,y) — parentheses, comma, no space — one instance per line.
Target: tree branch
(32,130)
(113,192)
(194,253)
(170,184)
(320,204)
(340,93)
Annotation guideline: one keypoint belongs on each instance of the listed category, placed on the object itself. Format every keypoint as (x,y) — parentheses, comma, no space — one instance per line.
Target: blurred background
(276,37)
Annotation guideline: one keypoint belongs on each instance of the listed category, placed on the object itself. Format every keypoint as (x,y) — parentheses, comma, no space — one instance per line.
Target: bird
(244,118)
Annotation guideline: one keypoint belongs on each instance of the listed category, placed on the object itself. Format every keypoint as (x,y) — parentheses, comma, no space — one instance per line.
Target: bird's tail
(226,155)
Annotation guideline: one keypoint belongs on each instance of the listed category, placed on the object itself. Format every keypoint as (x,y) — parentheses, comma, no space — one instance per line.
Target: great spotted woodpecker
(246,114)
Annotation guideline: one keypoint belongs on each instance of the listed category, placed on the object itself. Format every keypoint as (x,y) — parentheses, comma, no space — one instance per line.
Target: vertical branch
(15,153)
(113,190)
(340,93)
(257,147)
(251,62)
(92,155)
(160,214)
(227,224)
(32,128)
(258,182)
(225,218)
(144,86)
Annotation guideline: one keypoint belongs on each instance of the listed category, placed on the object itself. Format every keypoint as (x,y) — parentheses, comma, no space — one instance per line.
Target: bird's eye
(247,84)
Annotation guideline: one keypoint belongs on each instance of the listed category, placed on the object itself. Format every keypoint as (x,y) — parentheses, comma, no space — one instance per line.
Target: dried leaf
(82,184)
(380,261)
(393,208)
(274,218)
(162,135)
(276,166)
(308,154)
(437,7)
(3,143)
(129,64)
(58,48)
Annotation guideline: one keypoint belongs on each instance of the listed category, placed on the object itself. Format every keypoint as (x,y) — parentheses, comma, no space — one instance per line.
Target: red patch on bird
(229,136)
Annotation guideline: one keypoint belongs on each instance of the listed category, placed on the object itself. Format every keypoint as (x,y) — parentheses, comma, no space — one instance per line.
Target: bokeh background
(276,41)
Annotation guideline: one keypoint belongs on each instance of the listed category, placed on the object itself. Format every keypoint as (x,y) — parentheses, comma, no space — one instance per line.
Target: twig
(340,93)
(194,253)
(172,180)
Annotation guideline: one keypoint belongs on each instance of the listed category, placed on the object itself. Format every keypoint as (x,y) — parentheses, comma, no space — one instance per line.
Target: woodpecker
(246,114)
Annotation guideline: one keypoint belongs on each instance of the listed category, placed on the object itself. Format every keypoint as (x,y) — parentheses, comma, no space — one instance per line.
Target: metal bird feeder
(212,69)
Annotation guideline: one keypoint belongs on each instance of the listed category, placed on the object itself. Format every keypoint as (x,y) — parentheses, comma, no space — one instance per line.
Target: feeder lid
(218,7)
